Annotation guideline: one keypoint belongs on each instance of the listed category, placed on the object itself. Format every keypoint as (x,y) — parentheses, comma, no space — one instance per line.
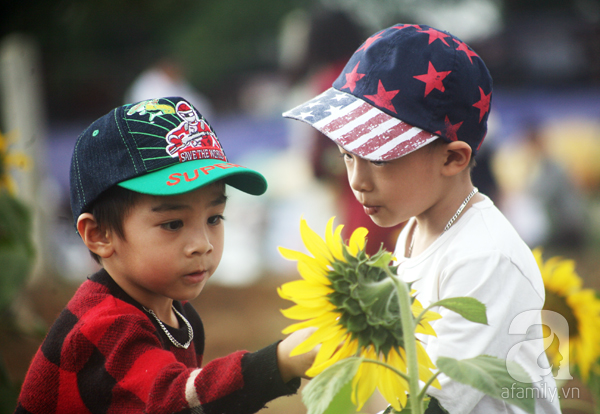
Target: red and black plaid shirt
(104,354)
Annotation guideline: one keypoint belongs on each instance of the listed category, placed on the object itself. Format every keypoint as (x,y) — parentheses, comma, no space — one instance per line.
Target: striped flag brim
(359,127)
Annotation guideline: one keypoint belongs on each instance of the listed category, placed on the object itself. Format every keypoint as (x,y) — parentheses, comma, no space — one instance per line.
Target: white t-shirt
(482,256)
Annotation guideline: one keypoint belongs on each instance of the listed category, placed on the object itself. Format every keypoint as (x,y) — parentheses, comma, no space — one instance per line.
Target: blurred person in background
(538,194)
(166,77)
(559,197)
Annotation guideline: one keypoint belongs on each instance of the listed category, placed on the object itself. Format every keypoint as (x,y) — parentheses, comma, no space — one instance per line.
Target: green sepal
(381,259)
(356,323)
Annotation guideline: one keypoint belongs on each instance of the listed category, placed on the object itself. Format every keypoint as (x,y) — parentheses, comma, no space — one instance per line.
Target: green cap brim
(188,176)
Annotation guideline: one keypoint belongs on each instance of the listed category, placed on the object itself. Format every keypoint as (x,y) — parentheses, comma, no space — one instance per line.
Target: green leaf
(322,390)
(467,307)
(342,402)
(16,248)
(490,375)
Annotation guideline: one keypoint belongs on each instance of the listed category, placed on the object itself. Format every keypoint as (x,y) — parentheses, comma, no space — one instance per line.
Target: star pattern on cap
(404,26)
(451,129)
(305,115)
(433,79)
(383,98)
(333,110)
(483,104)
(434,35)
(464,48)
(352,78)
(423,89)
(339,96)
(370,41)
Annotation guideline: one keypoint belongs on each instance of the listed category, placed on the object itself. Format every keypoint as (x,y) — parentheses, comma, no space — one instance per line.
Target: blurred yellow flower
(580,307)
(8,161)
(354,306)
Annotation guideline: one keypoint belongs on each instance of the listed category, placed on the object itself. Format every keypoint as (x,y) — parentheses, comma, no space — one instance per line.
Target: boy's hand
(296,366)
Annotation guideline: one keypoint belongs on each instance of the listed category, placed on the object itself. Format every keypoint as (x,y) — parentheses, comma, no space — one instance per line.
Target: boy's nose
(358,176)
(199,243)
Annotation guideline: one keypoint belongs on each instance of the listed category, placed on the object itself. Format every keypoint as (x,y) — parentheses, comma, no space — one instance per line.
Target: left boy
(148,196)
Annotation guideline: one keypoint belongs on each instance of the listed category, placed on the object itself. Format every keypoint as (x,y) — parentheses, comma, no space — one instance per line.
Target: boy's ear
(98,241)
(457,156)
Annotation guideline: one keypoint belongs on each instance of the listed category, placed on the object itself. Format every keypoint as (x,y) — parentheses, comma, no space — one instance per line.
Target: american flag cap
(406,86)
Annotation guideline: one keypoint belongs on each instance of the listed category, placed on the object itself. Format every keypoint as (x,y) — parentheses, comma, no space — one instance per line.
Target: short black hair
(110,209)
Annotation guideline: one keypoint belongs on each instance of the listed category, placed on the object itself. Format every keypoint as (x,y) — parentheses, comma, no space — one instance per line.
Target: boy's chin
(384,222)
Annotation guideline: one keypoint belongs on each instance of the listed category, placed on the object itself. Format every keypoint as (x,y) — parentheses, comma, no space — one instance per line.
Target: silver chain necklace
(166,331)
(450,222)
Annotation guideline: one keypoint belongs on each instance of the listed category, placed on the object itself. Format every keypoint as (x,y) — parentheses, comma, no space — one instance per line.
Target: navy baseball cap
(158,147)
(405,87)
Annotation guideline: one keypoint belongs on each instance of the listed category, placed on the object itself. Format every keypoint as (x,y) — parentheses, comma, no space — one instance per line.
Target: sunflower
(10,160)
(353,303)
(580,307)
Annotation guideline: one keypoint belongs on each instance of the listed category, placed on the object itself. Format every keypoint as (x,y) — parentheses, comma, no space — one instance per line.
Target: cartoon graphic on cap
(151,107)
(193,138)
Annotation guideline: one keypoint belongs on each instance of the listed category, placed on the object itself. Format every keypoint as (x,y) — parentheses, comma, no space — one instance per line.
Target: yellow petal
(365,380)
(302,289)
(396,360)
(312,272)
(357,240)
(348,348)
(334,240)
(309,303)
(309,268)
(537,253)
(315,244)
(303,312)
(393,388)
(319,336)
(423,356)
(329,347)
(301,257)
(325,319)
(431,316)
(425,328)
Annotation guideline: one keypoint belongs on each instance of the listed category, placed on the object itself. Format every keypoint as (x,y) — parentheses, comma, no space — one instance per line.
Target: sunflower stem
(427,384)
(410,343)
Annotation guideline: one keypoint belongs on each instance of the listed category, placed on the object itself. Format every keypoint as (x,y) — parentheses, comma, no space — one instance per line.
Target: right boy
(148,196)
(409,112)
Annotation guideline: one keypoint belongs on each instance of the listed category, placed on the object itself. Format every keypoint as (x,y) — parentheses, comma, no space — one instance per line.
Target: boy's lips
(196,277)
(370,210)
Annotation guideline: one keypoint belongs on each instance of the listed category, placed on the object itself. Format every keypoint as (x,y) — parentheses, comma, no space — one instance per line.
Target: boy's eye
(378,162)
(172,225)
(215,219)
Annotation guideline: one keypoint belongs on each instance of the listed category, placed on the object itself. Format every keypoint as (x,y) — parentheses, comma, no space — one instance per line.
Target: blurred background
(64,63)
